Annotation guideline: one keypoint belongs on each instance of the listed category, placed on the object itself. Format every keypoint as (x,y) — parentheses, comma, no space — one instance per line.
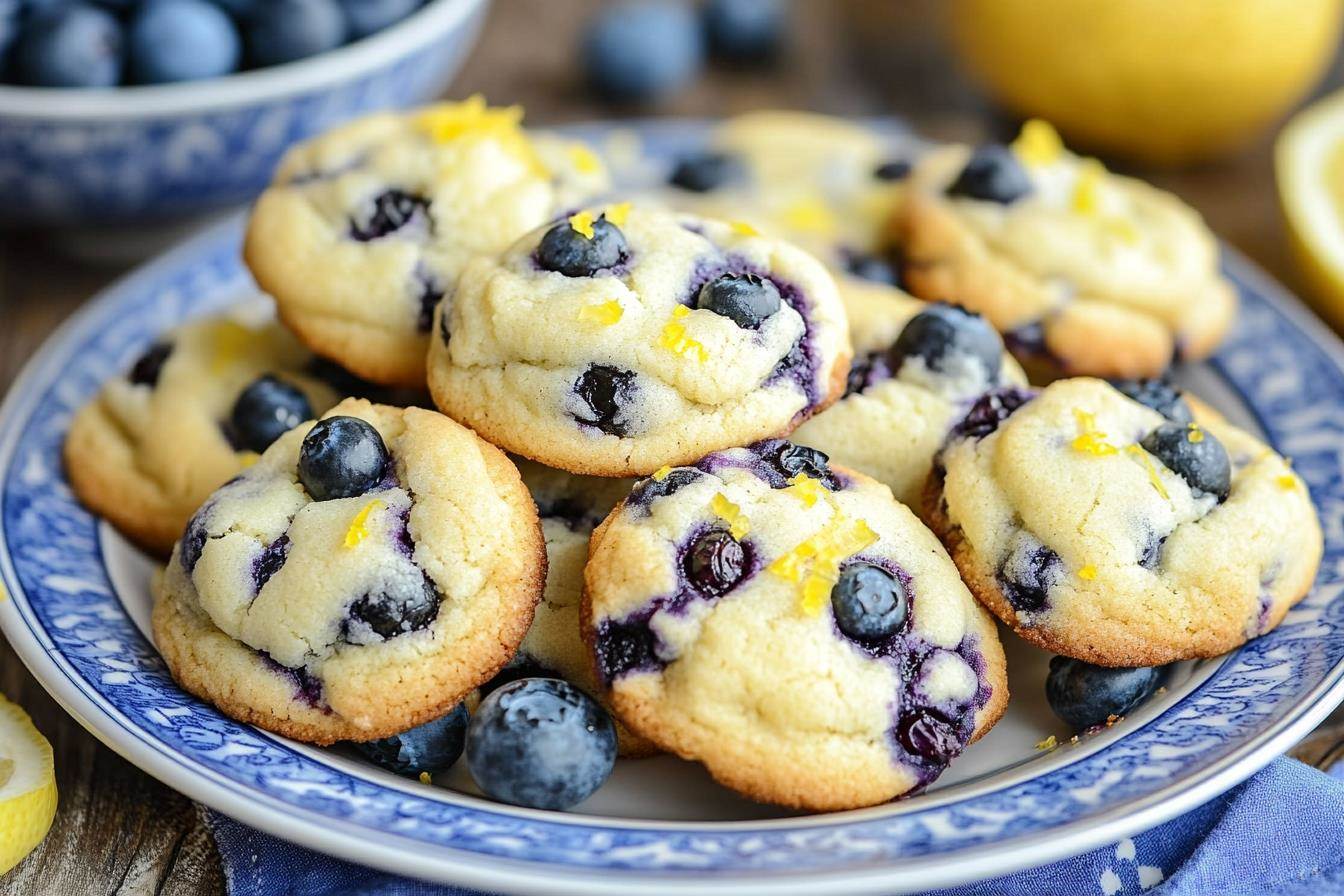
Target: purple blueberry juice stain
(987,413)
(269,562)
(307,686)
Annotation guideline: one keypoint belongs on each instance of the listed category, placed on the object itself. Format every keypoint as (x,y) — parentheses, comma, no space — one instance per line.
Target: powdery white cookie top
(619,372)
(1088,544)
(738,663)
(366,228)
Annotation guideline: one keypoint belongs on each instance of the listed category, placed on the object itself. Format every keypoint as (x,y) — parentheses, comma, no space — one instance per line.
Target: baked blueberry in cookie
(1160,395)
(1100,529)
(809,642)
(1086,271)
(364,230)
(623,339)
(187,415)
(918,370)
(335,590)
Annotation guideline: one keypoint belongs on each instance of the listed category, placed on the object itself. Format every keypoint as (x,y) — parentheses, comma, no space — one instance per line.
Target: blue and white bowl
(137,154)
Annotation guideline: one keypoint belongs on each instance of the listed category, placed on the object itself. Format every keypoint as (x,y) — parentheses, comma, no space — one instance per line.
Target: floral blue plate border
(65,620)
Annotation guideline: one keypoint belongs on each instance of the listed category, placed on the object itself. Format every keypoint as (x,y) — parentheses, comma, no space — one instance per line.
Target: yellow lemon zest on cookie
(1122,229)
(815,562)
(248,458)
(662,473)
(1087,573)
(359,530)
(1194,434)
(584,159)
(603,313)
(1286,481)
(742,228)
(730,513)
(1038,143)
(806,489)
(425,778)
(1048,744)
(809,214)
(674,338)
(582,223)
(1087,188)
(618,213)
(1090,440)
(473,118)
(1156,480)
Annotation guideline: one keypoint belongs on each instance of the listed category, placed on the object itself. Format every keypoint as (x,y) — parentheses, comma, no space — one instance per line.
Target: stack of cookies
(520,444)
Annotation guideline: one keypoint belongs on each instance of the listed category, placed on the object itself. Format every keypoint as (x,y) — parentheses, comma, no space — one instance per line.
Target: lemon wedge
(1309,168)
(27,786)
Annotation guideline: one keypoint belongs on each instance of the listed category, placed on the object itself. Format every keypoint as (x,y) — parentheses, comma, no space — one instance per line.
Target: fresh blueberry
(429,748)
(266,410)
(341,457)
(639,51)
(706,171)
(566,251)
(715,562)
(989,411)
(390,211)
(869,603)
(370,16)
(604,392)
(181,40)
(744,298)
(1159,395)
(928,735)
(1084,695)
(398,610)
(1194,454)
(868,266)
(146,369)
(241,10)
(949,339)
(70,46)
(993,174)
(895,169)
(794,460)
(285,30)
(540,743)
(745,30)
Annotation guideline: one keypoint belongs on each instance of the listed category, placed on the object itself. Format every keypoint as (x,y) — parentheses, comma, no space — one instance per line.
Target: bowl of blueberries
(142,111)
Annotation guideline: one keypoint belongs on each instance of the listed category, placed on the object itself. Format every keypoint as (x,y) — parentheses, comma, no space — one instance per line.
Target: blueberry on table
(1194,454)
(638,51)
(69,46)
(425,749)
(993,174)
(746,299)
(181,40)
(1159,395)
(390,211)
(540,743)
(948,338)
(285,30)
(399,610)
(367,17)
(341,457)
(146,369)
(745,30)
(869,603)
(604,392)
(715,562)
(706,171)
(1084,695)
(567,251)
(267,409)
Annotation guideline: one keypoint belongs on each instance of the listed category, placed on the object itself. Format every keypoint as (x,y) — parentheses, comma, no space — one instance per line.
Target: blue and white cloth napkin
(1281,833)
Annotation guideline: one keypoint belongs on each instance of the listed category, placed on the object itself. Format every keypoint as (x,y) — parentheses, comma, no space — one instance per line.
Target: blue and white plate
(79,607)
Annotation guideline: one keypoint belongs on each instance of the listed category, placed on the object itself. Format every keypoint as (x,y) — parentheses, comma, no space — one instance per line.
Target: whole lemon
(1164,81)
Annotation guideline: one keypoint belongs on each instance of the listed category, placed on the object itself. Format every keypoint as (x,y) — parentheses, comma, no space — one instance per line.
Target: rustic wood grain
(119,831)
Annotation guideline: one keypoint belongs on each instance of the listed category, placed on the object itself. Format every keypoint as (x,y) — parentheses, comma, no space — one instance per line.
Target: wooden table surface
(120,832)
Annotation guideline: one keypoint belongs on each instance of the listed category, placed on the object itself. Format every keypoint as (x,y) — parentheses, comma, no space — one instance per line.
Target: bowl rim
(248,88)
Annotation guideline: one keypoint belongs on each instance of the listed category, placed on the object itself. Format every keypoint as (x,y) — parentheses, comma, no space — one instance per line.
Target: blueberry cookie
(1084,271)
(361,578)
(570,508)
(365,229)
(624,339)
(825,183)
(192,411)
(1119,530)
(917,369)
(791,626)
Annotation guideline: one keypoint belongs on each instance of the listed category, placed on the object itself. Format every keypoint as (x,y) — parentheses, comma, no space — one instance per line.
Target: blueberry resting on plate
(993,174)
(604,392)
(399,610)
(715,562)
(366,17)
(266,410)
(75,45)
(1194,454)
(429,748)
(1159,395)
(869,603)
(181,40)
(948,338)
(392,210)
(566,251)
(746,299)
(707,171)
(341,457)
(282,31)
(146,369)
(1084,695)
(745,30)
(638,51)
(540,743)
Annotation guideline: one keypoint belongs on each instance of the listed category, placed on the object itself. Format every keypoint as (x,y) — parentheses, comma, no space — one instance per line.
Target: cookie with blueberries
(619,340)
(190,412)
(1085,272)
(917,369)
(1119,530)
(365,229)
(367,573)
(787,623)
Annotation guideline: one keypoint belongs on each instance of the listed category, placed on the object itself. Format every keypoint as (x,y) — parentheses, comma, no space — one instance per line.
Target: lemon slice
(1309,167)
(27,786)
